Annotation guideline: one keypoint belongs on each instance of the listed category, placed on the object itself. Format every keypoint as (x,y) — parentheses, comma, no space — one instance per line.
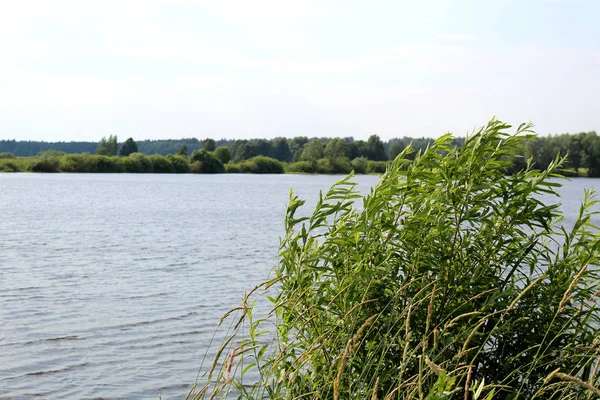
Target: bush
(102,164)
(222,154)
(266,165)
(141,161)
(75,162)
(360,165)
(339,165)
(8,166)
(7,155)
(45,164)
(203,162)
(306,167)
(233,168)
(131,165)
(160,164)
(376,167)
(180,163)
(448,278)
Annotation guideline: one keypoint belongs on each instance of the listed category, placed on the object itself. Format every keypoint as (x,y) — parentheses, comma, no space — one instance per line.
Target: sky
(152,69)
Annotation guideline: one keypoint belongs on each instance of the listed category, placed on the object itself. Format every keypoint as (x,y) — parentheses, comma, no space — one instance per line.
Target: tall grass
(448,280)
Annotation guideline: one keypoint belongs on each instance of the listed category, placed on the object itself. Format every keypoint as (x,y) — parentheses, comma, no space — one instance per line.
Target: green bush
(203,162)
(306,167)
(7,155)
(160,164)
(376,167)
(360,165)
(266,165)
(450,280)
(75,162)
(222,154)
(233,168)
(8,166)
(180,163)
(340,165)
(131,165)
(142,162)
(102,164)
(45,164)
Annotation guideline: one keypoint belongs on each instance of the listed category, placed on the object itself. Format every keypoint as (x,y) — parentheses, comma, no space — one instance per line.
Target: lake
(111,285)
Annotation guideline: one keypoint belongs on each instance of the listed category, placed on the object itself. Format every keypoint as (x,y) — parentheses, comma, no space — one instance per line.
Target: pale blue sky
(82,69)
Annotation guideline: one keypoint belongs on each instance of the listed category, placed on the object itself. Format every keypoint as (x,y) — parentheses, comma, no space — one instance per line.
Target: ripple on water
(111,286)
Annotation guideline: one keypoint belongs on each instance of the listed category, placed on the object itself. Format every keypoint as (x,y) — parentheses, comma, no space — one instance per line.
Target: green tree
(376,149)
(209,145)
(396,148)
(313,150)
(108,147)
(281,149)
(183,150)
(591,153)
(334,149)
(223,154)
(128,147)
(203,162)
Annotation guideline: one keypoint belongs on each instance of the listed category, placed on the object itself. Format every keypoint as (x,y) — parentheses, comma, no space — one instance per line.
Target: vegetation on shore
(294,155)
(450,280)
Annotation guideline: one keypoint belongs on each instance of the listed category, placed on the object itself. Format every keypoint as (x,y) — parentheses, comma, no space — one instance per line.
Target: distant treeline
(280,148)
(22,148)
(278,155)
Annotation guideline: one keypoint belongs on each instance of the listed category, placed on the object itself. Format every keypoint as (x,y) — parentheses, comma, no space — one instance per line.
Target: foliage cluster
(449,280)
(256,165)
(108,147)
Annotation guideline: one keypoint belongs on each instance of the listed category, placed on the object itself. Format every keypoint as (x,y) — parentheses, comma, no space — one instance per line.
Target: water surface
(111,284)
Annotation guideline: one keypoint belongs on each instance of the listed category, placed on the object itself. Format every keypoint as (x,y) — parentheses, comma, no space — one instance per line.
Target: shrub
(233,168)
(222,154)
(75,162)
(266,165)
(7,155)
(160,164)
(131,165)
(376,167)
(142,163)
(306,167)
(45,164)
(340,165)
(8,166)
(102,164)
(360,165)
(203,162)
(180,163)
(448,278)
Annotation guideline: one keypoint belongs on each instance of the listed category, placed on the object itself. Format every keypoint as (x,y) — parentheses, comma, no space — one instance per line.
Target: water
(111,285)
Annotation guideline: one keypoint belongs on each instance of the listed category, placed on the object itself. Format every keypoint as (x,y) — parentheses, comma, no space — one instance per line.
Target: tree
(203,162)
(334,149)
(396,148)
(128,148)
(281,150)
(313,150)
(182,150)
(591,158)
(209,145)
(108,147)
(376,149)
(223,154)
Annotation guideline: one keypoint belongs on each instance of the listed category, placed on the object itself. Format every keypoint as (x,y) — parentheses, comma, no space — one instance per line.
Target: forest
(278,155)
